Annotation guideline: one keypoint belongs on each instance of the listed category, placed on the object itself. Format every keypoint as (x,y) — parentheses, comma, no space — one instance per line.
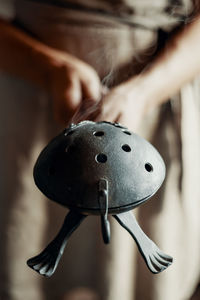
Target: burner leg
(156,260)
(46,262)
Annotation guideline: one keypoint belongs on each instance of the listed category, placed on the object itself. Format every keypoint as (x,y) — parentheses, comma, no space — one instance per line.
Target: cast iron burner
(99,169)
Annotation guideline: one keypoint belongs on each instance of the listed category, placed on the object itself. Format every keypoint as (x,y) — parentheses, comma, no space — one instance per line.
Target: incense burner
(99,169)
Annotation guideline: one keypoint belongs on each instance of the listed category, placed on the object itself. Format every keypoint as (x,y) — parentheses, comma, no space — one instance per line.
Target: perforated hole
(101,158)
(126,148)
(98,133)
(148,167)
(126,132)
(70,132)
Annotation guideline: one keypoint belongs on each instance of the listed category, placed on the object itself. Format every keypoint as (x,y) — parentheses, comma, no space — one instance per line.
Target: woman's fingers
(110,107)
(91,86)
(66,90)
(72,92)
(72,85)
(91,96)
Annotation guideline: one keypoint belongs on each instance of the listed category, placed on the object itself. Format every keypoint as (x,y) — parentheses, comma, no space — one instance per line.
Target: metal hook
(103,206)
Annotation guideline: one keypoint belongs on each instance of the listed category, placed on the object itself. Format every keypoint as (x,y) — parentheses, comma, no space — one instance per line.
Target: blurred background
(119,40)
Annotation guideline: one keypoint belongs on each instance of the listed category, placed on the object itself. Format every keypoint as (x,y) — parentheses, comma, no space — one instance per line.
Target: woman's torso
(106,34)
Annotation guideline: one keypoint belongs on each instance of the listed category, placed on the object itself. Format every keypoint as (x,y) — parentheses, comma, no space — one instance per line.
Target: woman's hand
(125,104)
(69,81)
(73,84)
(124,107)
(168,72)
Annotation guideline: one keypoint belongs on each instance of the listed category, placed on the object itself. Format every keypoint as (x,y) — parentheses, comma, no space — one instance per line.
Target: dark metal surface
(103,206)
(156,260)
(99,168)
(46,262)
(69,169)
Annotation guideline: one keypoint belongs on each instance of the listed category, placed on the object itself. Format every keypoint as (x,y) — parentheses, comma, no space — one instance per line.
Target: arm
(65,77)
(177,64)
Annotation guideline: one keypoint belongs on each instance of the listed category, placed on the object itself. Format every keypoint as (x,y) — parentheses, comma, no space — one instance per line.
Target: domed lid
(72,167)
